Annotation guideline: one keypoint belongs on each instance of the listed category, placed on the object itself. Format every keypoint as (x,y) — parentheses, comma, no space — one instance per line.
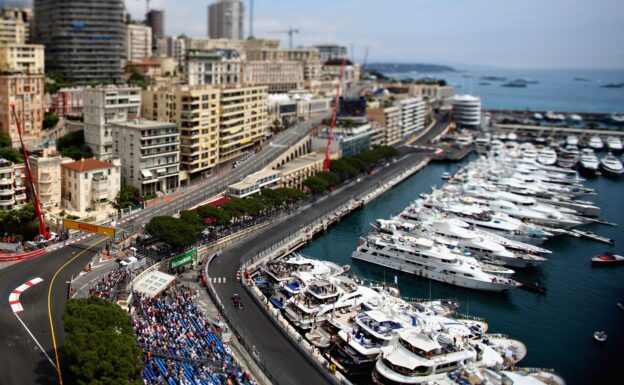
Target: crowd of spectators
(107,286)
(180,345)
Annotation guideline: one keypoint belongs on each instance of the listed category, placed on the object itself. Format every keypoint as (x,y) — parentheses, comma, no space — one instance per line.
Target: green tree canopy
(316,185)
(100,345)
(73,145)
(127,197)
(191,217)
(221,216)
(343,169)
(174,232)
(50,120)
(329,177)
(20,222)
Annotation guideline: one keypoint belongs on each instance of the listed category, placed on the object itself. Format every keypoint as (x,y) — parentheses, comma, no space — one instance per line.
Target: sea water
(557,327)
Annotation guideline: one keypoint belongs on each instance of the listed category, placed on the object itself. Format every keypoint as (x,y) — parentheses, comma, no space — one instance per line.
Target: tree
(100,345)
(5,140)
(21,222)
(329,177)
(174,232)
(127,197)
(316,185)
(136,79)
(192,219)
(343,169)
(50,120)
(220,216)
(73,145)
(357,162)
(386,152)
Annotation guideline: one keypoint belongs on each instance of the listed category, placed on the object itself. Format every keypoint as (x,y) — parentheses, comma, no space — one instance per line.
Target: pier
(551,131)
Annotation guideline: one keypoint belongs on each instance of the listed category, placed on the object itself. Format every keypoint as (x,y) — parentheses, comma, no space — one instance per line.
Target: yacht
(568,158)
(588,163)
(512,136)
(572,140)
(595,143)
(482,142)
(547,156)
(420,256)
(611,165)
(491,376)
(614,144)
(425,357)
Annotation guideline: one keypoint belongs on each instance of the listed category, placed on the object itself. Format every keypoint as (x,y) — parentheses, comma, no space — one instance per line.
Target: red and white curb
(14,297)
(60,245)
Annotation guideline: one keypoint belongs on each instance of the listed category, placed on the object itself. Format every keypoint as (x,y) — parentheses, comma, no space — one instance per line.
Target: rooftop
(87,165)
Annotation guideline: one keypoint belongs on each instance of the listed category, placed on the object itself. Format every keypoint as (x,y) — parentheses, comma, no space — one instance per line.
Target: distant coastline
(397,68)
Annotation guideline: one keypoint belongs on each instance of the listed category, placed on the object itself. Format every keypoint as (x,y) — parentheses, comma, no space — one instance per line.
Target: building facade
(12,185)
(138,42)
(329,52)
(149,152)
(412,116)
(67,102)
(467,111)
(296,106)
(83,39)
(21,58)
(348,138)
(225,19)
(279,77)
(104,106)
(389,120)
(26,93)
(47,175)
(90,184)
(156,21)
(214,67)
(15,25)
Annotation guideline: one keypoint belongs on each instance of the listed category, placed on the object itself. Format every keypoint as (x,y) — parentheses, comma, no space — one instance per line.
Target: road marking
(56,356)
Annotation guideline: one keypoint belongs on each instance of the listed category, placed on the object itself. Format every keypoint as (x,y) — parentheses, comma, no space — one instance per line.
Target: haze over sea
(557,90)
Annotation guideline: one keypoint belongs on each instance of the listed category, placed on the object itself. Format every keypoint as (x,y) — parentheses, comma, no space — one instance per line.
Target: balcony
(45,178)
(7,192)
(6,182)
(7,203)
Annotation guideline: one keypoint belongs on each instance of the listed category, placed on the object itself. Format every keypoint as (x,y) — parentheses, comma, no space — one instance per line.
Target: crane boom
(42,228)
(333,121)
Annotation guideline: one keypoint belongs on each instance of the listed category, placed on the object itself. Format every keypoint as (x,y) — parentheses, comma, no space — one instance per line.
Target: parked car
(128,261)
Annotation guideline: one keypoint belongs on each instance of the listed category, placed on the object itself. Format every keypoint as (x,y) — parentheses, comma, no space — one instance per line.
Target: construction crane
(290,33)
(43,231)
(333,121)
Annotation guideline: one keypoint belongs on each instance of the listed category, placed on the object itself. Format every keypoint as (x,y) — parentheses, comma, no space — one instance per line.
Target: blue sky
(500,33)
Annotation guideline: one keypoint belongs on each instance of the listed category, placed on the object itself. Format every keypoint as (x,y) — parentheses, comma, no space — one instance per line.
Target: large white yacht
(589,164)
(614,144)
(547,156)
(595,143)
(422,257)
(611,165)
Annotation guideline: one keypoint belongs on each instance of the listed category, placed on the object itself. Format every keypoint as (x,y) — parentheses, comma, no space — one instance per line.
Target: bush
(100,345)
(127,197)
(50,120)
(174,232)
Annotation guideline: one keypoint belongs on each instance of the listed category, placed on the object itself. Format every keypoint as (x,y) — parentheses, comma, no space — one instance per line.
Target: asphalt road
(282,359)
(21,360)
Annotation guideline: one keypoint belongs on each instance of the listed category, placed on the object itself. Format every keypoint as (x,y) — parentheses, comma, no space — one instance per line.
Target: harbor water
(557,327)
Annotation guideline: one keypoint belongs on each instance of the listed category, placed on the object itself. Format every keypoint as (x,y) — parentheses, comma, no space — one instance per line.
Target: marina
(504,313)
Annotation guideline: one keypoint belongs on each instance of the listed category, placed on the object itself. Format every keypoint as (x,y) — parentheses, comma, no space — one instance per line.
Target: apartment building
(48,179)
(412,116)
(90,184)
(84,40)
(213,67)
(296,106)
(216,124)
(279,77)
(21,58)
(138,42)
(26,93)
(67,102)
(225,19)
(149,152)
(14,26)
(196,112)
(389,119)
(12,185)
(104,106)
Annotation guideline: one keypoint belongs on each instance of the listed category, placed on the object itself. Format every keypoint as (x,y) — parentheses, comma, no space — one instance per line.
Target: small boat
(593,236)
(607,259)
(532,286)
(600,336)
(346,268)
(619,304)
(446,176)
(611,165)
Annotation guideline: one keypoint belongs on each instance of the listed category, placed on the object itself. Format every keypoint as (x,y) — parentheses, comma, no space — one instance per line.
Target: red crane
(43,231)
(333,121)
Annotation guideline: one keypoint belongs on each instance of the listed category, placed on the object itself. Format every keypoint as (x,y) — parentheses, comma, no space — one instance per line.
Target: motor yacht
(611,165)
(568,158)
(614,144)
(572,140)
(588,163)
(595,143)
(547,156)
(420,256)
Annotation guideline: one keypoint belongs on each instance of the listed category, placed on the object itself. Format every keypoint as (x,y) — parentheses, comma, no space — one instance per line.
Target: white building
(12,186)
(176,48)
(467,110)
(225,19)
(139,42)
(104,106)
(218,66)
(254,183)
(150,155)
(296,106)
(90,184)
(412,116)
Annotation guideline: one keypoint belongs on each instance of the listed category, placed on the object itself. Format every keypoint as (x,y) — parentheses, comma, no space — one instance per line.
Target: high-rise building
(467,111)
(225,19)
(15,25)
(389,119)
(84,39)
(412,115)
(104,106)
(156,21)
(139,42)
